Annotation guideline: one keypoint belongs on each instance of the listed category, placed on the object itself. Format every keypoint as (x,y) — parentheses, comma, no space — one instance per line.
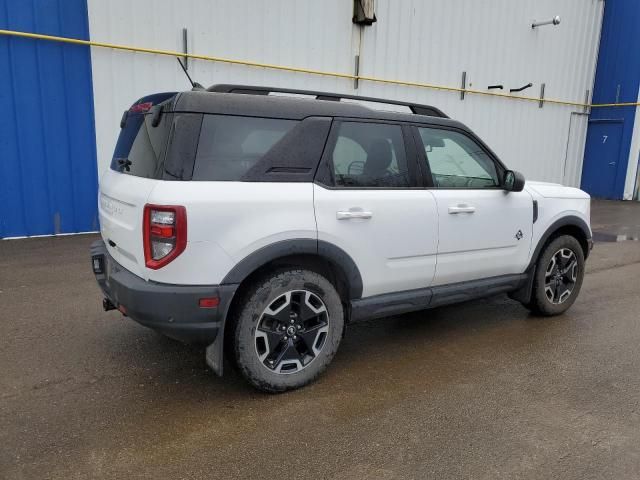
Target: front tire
(288,329)
(558,277)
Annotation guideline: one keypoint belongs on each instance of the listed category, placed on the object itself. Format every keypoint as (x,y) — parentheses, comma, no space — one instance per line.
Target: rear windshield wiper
(124,164)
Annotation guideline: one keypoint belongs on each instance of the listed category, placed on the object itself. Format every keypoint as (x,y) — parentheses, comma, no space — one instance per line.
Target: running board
(397,303)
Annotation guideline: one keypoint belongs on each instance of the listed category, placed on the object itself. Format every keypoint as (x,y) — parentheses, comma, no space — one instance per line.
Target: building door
(602,159)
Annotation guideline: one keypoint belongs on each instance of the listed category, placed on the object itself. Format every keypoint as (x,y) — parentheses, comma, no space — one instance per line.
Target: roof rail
(256,90)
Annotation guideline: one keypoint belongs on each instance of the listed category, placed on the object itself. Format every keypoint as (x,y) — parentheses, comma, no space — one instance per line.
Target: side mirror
(513,181)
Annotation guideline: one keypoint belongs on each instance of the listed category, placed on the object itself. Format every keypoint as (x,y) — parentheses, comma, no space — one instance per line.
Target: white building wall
(413,40)
(632,183)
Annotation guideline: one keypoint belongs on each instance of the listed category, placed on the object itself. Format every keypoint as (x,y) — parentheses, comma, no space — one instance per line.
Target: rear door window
(369,155)
(230,145)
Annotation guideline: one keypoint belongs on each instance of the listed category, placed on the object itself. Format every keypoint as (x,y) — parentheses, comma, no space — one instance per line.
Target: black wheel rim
(292,331)
(560,276)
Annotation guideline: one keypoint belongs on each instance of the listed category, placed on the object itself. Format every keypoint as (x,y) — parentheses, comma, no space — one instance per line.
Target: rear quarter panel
(227,221)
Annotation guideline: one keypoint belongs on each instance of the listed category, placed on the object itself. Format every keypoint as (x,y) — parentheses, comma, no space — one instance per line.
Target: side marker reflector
(211,302)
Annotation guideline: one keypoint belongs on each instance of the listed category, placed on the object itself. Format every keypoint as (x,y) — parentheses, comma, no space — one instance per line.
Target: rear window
(230,145)
(140,150)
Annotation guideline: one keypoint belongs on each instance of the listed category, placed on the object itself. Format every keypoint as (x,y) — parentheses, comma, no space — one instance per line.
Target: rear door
(368,202)
(484,230)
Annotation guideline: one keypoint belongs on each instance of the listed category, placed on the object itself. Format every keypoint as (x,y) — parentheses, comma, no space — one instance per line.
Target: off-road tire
(541,303)
(253,305)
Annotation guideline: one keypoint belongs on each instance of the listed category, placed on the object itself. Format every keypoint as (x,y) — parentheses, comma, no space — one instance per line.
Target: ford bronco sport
(262,224)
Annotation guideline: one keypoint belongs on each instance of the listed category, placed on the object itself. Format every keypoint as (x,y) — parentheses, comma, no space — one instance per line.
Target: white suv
(265,223)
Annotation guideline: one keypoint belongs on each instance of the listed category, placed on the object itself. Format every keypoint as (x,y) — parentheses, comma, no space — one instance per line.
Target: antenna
(194,85)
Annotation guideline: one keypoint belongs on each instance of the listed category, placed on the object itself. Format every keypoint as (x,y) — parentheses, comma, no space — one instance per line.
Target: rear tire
(288,329)
(558,277)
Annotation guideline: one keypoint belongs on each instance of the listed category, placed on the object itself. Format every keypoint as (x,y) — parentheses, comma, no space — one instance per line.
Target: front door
(368,204)
(602,159)
(484,231)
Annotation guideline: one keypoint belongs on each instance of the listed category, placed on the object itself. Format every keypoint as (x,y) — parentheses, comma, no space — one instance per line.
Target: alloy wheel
(292,331)
(561,276)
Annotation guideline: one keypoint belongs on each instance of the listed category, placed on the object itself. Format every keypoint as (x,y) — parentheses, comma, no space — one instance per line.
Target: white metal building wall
(414,40)
(632,184)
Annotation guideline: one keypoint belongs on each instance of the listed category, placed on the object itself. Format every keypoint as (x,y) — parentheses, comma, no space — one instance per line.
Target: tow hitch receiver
(97,262)
(107,305)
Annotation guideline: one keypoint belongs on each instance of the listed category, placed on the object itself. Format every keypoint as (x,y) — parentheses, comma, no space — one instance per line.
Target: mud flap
(214,353)
(523,294)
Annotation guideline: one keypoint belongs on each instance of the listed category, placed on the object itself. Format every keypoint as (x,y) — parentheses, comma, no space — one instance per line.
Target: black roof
(418,108)
(252,104)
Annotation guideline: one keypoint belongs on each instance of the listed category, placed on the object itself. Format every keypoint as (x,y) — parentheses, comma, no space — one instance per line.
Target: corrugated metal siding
(494,43)
(632,185)
(577,137)
(47,141)
(305,34)
(412,40)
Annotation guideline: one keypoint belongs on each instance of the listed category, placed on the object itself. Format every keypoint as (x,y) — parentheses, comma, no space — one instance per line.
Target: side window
(369,155)
(456,161)
(229,146)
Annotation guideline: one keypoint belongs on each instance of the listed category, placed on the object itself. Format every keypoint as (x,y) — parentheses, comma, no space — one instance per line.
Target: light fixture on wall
(364,12)
(554,21)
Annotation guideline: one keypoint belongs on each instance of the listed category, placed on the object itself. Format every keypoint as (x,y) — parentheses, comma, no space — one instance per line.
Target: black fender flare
(337,257)
(568,221)
(523,294)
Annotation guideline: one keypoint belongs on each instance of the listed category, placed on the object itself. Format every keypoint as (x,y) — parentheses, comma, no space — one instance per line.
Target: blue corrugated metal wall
(617,80)
(48,181)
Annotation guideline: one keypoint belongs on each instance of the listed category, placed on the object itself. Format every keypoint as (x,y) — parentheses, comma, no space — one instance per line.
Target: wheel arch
(569,225)
(317,255)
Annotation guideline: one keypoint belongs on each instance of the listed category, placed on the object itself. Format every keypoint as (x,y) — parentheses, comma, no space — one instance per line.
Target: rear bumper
(170,309)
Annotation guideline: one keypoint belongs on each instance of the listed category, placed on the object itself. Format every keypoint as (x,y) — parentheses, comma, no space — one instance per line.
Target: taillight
(141,107)
(164,231)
